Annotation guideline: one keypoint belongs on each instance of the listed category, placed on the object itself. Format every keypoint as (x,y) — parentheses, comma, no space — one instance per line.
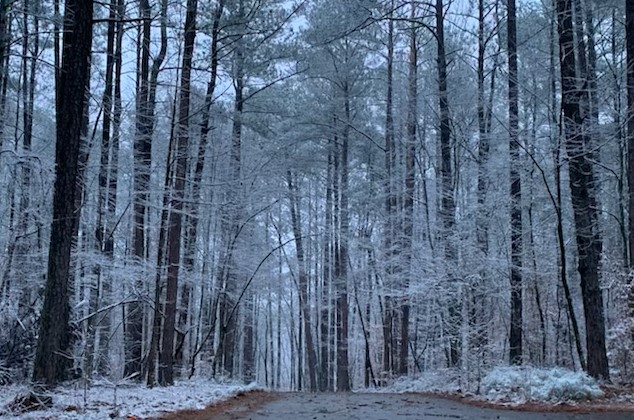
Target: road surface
(353,406)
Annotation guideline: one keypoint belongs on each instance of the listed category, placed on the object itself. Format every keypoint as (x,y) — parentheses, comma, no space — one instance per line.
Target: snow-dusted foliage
(519,384)
(504,384)
(437,381)
(109,400)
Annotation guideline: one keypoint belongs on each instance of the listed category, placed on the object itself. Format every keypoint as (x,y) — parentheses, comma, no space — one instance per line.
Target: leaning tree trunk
(52,358)
(583,197)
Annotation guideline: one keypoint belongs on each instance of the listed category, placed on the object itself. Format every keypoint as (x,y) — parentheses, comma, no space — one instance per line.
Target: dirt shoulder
(234,408)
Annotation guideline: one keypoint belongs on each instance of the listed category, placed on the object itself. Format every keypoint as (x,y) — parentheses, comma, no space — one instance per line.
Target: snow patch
(514,385)
(521,384)
(108,400)
(437,381)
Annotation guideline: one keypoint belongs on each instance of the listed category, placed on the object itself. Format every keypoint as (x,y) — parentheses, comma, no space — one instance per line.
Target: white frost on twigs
(522,384)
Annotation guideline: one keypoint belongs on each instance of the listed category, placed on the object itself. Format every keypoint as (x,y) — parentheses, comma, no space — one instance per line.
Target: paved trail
(305,406)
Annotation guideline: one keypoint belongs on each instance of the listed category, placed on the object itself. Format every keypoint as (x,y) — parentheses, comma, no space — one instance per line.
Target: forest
(317,195)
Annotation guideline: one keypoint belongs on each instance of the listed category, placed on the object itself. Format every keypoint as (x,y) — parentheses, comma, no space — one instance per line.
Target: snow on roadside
(512,385)
(108,400)
(521,384)
(437,381)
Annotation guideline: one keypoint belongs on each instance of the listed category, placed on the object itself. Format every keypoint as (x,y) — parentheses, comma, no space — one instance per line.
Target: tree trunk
(390,201)
(166,369)
(477,317)
(557,200)
(325,375)
(141,180)
(5,36)
(583,197)
(408,198)
(341,255)
(104,232)
(296,223)
(147,81)
(158,312)
(55,337)
(515,335)
(629,38)
(192,216)
(233,214)
(448,205)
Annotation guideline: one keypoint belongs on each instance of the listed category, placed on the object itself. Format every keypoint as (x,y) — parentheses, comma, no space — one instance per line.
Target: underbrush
(523,384)
(504,385)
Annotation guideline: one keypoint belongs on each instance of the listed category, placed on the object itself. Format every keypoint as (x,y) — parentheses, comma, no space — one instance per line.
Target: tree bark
(234,210)
(166,370)
(325,382)
(409,191)
(5,36)
(448,205)
(477,315)
(296,222)
(141,184)
(390,202)
(515,335)
(147,82)
(192,217)
(341,255)
(52,358)
(583,197)
(629,38)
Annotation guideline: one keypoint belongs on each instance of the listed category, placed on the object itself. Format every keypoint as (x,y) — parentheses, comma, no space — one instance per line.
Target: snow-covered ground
(520,385)
(108,400)
(509,385)
(503,385)
(436,381)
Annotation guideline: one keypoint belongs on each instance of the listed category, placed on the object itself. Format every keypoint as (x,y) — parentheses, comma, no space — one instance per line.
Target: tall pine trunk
(232,215)
(104,239)
(166,367)
(629,37)
(390,203)
(408,199)
(515,335)
(296,222)
(192,217)
(141,185)
(447,204)
(341,251)
(583,196)
(52,358)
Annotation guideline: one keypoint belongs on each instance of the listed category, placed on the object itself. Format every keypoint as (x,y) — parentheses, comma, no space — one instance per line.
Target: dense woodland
(315,194)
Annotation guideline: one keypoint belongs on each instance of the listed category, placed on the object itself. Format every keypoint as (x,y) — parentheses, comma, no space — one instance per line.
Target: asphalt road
(306,406)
